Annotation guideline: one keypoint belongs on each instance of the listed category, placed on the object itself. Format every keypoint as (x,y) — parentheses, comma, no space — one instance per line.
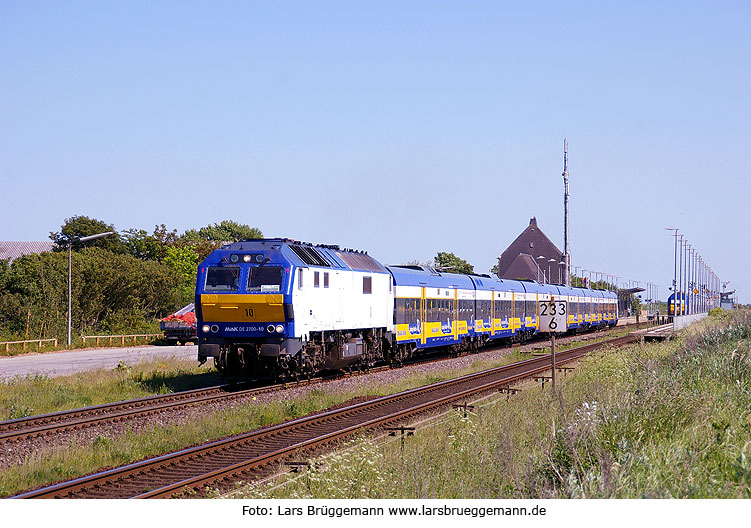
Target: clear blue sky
(403,128)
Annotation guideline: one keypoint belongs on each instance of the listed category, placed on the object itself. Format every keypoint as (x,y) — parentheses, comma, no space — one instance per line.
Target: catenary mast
(566,256)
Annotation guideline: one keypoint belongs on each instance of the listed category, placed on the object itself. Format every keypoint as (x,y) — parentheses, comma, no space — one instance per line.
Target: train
(281,309)
(681,304)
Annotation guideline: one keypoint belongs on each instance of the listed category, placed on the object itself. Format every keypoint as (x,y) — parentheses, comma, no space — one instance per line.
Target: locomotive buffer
(553,315)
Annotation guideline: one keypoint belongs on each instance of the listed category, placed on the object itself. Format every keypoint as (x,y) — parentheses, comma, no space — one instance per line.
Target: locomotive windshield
(222,279)
(265,279)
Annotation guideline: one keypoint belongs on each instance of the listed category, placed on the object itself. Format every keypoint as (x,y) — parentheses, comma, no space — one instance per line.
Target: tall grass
(669,420)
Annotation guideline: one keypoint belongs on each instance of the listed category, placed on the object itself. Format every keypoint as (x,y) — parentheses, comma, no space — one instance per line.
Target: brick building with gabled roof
(520,260)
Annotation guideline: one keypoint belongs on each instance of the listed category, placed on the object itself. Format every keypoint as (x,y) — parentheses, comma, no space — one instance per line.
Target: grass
(39,394)
(659,421)
(80,458)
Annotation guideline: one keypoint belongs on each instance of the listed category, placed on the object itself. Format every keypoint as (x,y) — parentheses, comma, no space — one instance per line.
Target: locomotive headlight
(246,258)
(279,329)
(205,329)
(270,329)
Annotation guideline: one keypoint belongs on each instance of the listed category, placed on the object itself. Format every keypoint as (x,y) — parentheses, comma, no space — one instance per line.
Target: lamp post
(538,269)
(694,282)
(549,275)
(70,273)
(691,253)
(681,245)
(675,266)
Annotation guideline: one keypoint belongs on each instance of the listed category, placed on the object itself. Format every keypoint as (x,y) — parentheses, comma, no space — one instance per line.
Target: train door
(341,293)
(492,313)
(455,322)
(423,319)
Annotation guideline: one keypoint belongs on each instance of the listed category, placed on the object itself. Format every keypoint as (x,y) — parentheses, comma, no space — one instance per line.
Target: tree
(76,227)
(225,231)
(149,247)
(636,304)
(452,264)
(184,261)
(112,292)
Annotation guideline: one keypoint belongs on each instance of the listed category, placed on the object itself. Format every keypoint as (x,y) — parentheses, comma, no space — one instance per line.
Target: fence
(23,343)
(122,338)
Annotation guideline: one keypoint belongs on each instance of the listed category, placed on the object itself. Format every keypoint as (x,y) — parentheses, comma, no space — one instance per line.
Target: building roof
(524,267)
(12,250)
(533,243)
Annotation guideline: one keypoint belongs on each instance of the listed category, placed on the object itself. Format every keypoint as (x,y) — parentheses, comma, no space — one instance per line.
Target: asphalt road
(72,361)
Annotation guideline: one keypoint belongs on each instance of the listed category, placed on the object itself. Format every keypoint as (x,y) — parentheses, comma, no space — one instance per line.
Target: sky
(402,128)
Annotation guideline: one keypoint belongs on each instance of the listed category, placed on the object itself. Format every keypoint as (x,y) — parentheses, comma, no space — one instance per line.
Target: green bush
(113,293)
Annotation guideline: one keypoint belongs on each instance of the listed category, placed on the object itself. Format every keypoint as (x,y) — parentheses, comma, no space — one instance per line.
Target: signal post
(553,318)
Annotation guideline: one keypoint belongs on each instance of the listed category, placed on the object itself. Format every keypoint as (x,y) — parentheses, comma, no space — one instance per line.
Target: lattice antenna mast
(566,256)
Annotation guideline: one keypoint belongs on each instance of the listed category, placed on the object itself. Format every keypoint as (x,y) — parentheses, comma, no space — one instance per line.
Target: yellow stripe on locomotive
(239,308)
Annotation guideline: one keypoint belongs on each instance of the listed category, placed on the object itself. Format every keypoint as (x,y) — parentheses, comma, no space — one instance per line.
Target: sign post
(553,319)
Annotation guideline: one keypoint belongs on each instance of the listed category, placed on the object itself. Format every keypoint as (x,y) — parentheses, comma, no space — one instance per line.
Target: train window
(265,279)
(367,285)
(316,279)
(222,279)
(325,279)
(299,278)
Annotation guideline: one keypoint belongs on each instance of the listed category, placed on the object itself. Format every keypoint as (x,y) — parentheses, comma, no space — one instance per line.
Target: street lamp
(70,274)
(675,267)
(538,269)
(549,275)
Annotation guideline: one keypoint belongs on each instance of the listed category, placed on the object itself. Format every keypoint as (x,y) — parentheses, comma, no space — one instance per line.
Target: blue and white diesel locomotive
(280,309)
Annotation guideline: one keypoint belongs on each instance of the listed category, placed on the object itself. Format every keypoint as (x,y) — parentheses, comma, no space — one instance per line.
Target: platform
(657,333)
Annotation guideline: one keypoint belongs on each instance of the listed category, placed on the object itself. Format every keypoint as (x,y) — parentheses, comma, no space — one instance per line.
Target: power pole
(566,256)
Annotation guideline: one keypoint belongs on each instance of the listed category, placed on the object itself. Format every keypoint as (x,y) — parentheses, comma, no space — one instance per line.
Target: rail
(23,343)
(121,338)
(249,454)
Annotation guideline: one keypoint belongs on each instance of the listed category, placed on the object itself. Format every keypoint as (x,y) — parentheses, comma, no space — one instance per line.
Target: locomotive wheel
(221,362)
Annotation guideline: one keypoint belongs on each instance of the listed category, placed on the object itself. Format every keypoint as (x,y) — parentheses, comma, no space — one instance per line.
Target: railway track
(77,419)
(253,454)
(45,424)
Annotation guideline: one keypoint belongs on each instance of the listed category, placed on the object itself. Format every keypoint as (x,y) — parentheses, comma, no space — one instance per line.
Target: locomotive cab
(280,309)
(242,305)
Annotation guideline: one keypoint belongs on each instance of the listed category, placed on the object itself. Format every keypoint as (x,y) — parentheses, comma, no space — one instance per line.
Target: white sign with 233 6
(553,314)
